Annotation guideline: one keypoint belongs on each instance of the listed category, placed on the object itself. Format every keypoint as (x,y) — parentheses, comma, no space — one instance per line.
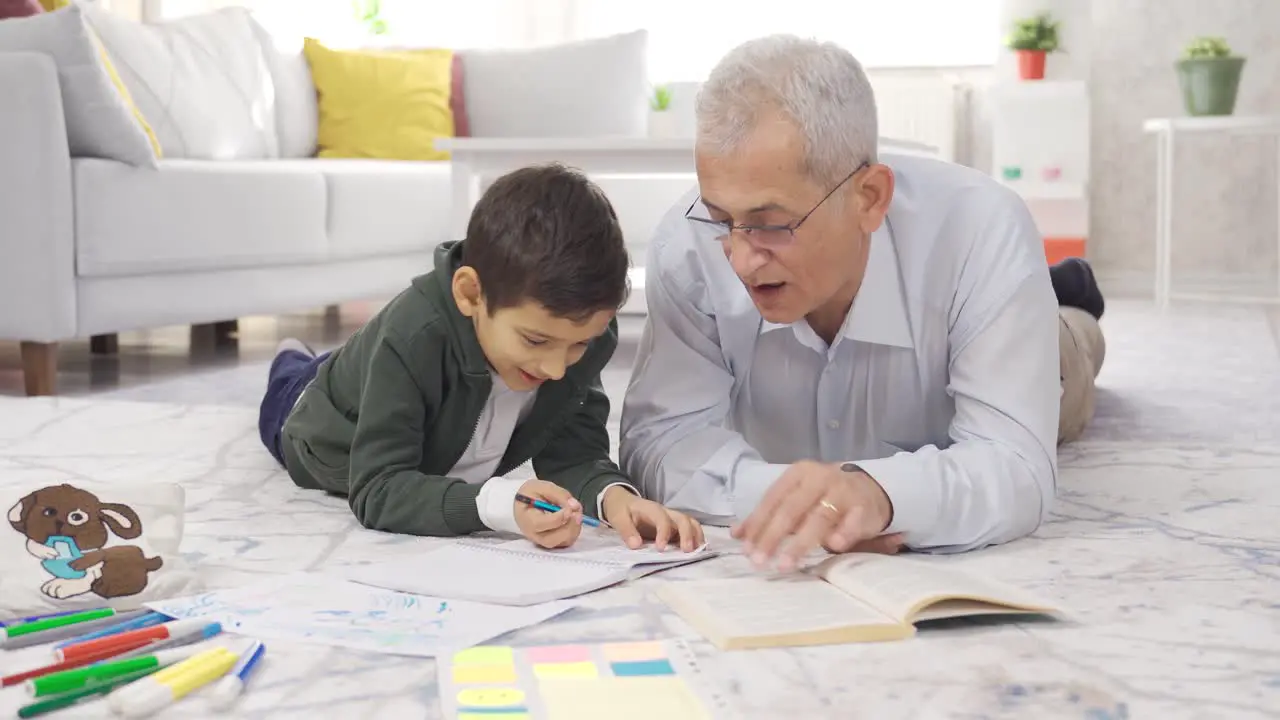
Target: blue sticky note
(642,668)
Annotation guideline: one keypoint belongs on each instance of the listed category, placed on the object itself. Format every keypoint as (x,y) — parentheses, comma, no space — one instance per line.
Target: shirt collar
(879,311)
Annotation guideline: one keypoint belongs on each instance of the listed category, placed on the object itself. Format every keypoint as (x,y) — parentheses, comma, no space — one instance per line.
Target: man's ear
(874,190)
(467,292)
(18,513)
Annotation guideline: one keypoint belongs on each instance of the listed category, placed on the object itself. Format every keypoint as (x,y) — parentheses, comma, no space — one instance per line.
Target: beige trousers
(1081,350)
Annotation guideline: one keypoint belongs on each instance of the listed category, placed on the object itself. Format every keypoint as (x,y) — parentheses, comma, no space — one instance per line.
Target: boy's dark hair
(548,234)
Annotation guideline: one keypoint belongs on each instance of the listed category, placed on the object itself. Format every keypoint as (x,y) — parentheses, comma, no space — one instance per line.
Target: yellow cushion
(50,6)
(384,104)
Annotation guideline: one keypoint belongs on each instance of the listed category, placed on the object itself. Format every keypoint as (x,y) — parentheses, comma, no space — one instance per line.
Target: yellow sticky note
(566,670)
(485,655)
(644,698)
(488,698)
(483,674)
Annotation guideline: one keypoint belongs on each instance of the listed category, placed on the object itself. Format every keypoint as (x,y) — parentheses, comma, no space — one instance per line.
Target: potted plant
(661,120)
(1209,75)
(1032,39)
(369,14)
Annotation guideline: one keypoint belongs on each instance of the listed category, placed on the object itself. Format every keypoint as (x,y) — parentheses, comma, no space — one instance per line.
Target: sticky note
(485,655)
(500,697)
(558,654)
(566,670)
(626,652)
(642,668)
(483,674)
(668,698)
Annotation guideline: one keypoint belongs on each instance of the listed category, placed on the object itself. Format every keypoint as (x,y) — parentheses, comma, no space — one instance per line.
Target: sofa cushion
(101,119)
(379,207)
(19,8)
(193,215)
(201,81)
(591,88)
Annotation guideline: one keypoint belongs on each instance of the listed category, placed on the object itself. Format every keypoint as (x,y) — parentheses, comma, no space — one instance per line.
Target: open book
(519,572)
(860,597)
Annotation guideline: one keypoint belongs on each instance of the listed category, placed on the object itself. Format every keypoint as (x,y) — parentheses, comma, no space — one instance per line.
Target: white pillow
(100,123)
(86,545)
(201,82)
(591,88)
(297,115)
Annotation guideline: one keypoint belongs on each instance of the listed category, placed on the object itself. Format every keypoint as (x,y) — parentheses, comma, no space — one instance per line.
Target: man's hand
(814,504)
(637,520)
(549,530)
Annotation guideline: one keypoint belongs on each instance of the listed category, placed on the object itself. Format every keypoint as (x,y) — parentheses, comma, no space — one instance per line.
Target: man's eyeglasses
(768,236)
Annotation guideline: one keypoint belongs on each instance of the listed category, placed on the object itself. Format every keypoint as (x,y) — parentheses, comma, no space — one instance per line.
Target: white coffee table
(479,161)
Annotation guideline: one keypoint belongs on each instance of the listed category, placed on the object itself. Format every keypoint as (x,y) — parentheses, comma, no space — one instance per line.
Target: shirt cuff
(914,500)
(496,504)
(600,499)
(751,480)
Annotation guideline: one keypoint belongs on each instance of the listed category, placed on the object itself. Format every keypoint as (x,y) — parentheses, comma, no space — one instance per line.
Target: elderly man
(844,349)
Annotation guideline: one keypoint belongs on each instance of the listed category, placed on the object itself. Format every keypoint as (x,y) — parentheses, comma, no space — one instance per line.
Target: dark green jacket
(390,413)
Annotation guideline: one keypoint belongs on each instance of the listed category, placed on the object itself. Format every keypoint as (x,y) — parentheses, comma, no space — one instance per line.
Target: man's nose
(745,258)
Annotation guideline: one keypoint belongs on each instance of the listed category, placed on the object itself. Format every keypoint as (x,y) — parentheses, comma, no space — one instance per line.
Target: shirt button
(833,424)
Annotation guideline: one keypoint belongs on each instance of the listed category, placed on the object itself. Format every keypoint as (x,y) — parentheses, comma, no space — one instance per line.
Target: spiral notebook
(519,572)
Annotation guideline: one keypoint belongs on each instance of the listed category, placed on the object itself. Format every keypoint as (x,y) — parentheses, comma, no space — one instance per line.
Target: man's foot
(294,345)
(1075,286)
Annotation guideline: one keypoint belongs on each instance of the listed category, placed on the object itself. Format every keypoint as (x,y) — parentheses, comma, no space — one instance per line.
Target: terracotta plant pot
(1031,64)
(1209,85)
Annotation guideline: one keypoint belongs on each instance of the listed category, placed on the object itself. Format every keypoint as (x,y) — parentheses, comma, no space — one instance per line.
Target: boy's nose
(552,368)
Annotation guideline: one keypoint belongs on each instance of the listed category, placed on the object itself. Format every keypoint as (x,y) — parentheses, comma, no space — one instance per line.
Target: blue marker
(543,505)
(151,618)
(225,693)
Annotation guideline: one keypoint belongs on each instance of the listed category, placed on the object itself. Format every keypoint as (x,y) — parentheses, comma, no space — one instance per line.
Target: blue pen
(34,618)
(151,618)
(543,505)
(224,694)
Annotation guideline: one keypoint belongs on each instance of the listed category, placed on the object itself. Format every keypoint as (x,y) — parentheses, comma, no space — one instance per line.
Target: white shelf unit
(1040,148)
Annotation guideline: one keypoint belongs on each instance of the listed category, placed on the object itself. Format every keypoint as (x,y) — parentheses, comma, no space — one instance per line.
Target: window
(687,37)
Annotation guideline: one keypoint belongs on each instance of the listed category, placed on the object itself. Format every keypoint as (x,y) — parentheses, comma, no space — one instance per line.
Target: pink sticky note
(559,654)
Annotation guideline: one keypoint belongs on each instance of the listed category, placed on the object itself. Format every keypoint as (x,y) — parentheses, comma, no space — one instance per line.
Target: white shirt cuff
(496,504)
(600,499)
(914,500)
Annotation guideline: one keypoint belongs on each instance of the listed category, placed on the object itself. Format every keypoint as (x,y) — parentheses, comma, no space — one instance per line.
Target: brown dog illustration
(66,528)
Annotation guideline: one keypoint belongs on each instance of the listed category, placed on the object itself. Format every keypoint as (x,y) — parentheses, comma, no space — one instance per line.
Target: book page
(902,587)
(606,546)
(777,607)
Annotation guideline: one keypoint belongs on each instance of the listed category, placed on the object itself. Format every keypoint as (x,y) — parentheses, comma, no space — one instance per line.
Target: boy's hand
(549,530)
(637,520)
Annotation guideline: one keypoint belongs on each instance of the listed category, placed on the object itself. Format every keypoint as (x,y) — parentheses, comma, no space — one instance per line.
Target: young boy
(490,360)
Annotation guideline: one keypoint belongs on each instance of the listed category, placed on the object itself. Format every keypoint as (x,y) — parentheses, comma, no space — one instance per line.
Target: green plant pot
(1209,85)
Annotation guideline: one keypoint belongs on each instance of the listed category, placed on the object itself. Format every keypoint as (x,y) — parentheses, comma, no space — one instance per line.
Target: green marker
(52,623)
(76,678)
(76,696)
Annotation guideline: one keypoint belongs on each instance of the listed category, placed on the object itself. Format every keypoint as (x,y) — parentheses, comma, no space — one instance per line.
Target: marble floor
(1163,543)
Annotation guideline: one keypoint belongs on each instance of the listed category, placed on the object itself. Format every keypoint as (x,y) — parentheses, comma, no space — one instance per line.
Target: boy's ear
(466,291)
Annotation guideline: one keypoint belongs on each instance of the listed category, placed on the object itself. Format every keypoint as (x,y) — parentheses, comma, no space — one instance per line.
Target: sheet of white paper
(316,609)
(607,547)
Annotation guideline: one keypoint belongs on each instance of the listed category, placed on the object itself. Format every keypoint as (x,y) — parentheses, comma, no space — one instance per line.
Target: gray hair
(819,86)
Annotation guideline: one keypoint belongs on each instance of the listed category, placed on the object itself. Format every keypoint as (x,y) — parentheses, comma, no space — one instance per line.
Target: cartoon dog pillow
(73,547)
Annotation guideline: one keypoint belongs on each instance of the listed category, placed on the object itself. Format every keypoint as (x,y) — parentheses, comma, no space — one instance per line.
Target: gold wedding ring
(828,505)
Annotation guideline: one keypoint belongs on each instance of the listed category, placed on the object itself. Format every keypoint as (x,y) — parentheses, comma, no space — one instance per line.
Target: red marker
(177,630)
(87,659)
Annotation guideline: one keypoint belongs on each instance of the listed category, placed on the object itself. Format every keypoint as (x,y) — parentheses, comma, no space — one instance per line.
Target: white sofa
(93,247)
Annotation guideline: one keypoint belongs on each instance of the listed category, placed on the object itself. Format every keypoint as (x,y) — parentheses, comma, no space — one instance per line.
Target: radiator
(921,109)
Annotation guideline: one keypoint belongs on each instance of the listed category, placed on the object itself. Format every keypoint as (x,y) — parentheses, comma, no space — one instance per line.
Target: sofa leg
(108,344)
(40,368)
(214,336)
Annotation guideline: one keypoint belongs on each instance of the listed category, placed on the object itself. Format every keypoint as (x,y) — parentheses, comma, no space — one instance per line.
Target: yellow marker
(154,693)
(175,670)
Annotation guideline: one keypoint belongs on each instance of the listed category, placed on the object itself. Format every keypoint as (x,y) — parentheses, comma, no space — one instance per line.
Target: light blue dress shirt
(943,383)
